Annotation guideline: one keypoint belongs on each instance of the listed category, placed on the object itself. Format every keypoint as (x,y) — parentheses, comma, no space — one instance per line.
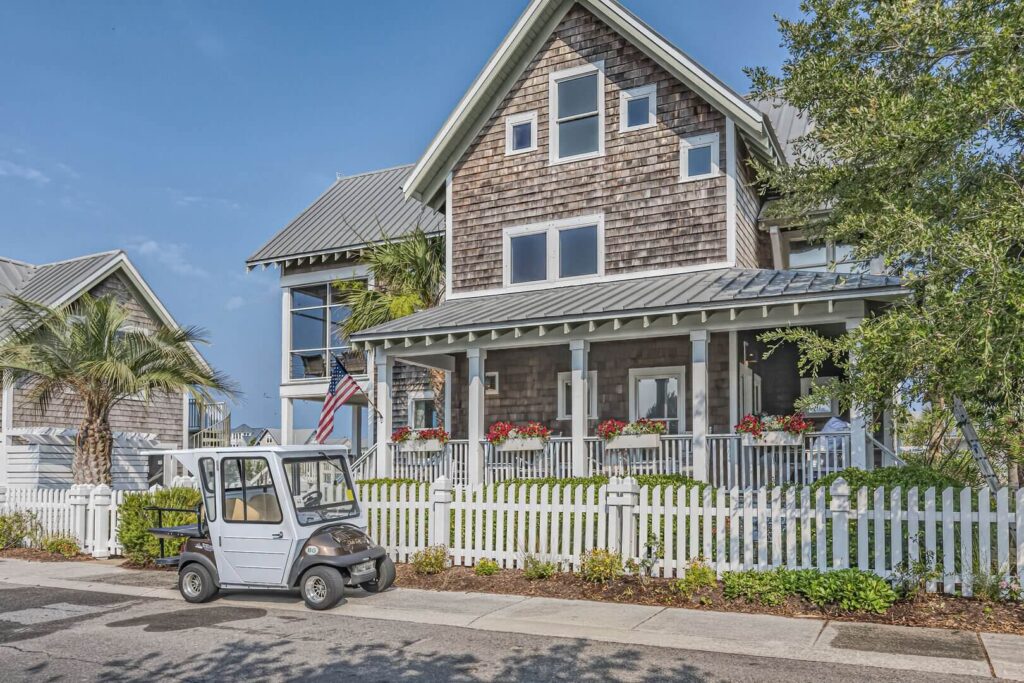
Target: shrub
(432,560)
(996,587)
(18,527)
(383,481)
(767,588)
(140,546)
(852,590)
(535,569)
(486,567)
(600,566)
(698,576)
(66,546)
(911,577)
(890,477)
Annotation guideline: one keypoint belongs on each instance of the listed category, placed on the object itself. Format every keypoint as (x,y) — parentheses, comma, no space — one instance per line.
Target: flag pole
(370,403)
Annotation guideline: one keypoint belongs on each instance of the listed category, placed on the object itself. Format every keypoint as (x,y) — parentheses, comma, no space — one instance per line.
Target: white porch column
(734,381)
(858,426)
(356,440)
(287,421)
(579,350)
(385,366)
(699,382)
(476,431)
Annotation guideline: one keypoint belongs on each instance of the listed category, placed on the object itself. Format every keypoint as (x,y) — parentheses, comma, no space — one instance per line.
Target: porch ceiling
(701,292)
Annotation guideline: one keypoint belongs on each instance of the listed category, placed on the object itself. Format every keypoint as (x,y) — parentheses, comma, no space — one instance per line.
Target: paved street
(62,634)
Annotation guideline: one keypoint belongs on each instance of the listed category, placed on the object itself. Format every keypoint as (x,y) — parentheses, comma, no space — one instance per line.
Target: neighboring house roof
(719,288)
(353,212)
(61,282)
(513,56)
(788,123)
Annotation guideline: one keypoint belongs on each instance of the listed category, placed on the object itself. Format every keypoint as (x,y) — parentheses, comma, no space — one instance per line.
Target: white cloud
(10,169)
(68,171)
(170,255)
(183,199)
(234,303)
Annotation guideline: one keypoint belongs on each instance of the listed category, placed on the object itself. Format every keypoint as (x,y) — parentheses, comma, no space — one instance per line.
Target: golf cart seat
(179,531)
(261,507)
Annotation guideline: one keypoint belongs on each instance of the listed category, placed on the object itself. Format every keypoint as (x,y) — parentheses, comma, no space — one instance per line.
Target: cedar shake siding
(651,220)
(528,382)
(406,379)
(750,242)
(163,415)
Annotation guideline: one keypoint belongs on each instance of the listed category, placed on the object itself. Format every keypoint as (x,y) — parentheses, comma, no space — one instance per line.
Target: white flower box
(773,439)
(533,443)
(423,446)
(629,441)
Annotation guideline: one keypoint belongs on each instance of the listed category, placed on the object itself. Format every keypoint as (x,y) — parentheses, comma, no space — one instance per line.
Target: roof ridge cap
(110,252)
(339,178)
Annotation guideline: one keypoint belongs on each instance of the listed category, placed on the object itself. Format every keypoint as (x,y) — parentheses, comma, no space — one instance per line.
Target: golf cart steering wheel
(311,498)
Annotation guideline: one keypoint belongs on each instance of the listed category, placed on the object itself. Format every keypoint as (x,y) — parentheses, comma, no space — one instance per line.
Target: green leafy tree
(916,151)
(407,276)
(91,350)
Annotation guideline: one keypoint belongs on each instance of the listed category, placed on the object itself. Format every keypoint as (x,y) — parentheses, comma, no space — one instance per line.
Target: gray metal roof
(788,122)
(47,283)
(682,292)
(353,212)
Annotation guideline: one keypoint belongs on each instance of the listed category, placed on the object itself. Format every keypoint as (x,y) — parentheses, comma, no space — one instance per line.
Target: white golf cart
(278,517)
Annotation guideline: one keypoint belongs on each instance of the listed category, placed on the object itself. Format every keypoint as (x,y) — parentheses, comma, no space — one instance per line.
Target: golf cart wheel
(385,577)
(322,587)
(195,583)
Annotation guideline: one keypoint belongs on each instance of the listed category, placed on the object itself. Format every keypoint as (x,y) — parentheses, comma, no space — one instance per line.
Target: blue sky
(188,132)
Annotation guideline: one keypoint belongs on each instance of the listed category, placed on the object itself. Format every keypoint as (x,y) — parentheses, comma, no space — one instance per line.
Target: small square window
(565,395)
(491,386)
(698,157)
(521,133)
(638,108)
(529,257)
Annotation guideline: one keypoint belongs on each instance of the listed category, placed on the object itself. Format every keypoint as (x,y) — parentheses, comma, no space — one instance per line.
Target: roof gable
(523,42)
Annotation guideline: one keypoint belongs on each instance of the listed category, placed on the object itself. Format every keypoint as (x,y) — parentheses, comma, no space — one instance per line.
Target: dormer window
(521,133)
(638,108)
(576,99)
(698,157)
(557,250)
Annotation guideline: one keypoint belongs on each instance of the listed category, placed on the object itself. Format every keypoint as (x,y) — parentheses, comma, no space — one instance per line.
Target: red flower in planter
(434,433)
(751,424)
(401,434)
(499,432)
(796,424)
(609,429)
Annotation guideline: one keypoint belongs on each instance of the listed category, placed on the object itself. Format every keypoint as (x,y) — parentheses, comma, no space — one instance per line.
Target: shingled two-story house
(606,258)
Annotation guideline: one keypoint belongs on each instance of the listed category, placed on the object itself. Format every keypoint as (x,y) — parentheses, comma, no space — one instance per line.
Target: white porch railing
(673,456)
(732,464)
(450,462)
(554,461)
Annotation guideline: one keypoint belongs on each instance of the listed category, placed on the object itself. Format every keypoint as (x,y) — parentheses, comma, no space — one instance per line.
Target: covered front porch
(697,370)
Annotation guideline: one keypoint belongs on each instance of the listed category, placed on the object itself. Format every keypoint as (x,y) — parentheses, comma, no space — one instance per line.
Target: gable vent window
(698,157)
(559,250)
(521,133)
(577,111)
(638,108)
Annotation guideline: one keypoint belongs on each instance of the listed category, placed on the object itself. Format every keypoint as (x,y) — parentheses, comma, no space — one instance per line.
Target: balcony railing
(673,456)
(731,464)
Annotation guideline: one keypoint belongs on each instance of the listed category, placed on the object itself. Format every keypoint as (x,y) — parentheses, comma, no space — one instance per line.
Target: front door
(255,544)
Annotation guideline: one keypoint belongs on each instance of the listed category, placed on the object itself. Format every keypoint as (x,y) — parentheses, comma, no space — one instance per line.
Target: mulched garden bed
(38,555)
(936,611)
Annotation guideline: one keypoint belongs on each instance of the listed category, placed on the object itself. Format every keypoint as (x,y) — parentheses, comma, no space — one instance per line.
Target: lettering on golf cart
(312,550)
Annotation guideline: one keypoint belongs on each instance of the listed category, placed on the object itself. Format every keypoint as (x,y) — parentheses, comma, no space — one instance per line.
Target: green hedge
(140,546)
(890,477)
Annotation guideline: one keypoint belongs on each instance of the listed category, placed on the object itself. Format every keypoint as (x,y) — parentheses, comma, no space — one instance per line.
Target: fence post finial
(840,508)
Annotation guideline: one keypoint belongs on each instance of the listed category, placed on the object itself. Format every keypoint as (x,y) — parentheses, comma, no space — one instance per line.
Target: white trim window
(569,249)
(565,395)
(638,108)
(422,414)
(659,394)
(698,157)
(492,385)
(576,113)
(521,133)
(801,254)
(828,407)
(314,330)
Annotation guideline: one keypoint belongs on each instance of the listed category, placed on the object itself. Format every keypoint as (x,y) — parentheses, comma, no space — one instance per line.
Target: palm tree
(407,276)
(91,350)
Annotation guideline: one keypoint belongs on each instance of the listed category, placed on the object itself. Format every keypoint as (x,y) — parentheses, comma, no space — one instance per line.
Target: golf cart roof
(190,457)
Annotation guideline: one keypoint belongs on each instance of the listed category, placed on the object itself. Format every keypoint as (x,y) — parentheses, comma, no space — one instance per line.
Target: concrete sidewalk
(814,640)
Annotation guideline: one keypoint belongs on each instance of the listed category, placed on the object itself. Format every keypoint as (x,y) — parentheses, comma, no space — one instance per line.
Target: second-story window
(638,108)
(577,113)
(521,133)
(315,318)
(556,250)
(698,157)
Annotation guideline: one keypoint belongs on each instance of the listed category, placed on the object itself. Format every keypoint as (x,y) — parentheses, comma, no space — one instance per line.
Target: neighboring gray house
(607,257)
(36,446)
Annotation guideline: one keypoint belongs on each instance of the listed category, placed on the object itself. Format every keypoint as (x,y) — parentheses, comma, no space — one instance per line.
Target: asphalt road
(49,634)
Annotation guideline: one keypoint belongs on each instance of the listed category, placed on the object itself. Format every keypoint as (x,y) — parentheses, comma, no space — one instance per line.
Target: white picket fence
(87,513)
(959,531)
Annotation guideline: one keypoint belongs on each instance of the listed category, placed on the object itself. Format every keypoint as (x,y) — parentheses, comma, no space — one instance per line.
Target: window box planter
(631,441)
(534,443)
(423,446)
(773,439)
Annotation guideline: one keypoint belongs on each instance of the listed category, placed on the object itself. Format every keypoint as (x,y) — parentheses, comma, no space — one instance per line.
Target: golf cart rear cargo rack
(174,532)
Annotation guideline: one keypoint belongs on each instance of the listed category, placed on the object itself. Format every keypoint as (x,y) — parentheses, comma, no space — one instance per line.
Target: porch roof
(708,290)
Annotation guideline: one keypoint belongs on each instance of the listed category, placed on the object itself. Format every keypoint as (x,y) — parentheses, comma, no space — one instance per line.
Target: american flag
(341,389)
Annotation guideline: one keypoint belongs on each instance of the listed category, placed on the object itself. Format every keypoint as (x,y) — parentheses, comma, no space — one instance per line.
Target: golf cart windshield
(321,488)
